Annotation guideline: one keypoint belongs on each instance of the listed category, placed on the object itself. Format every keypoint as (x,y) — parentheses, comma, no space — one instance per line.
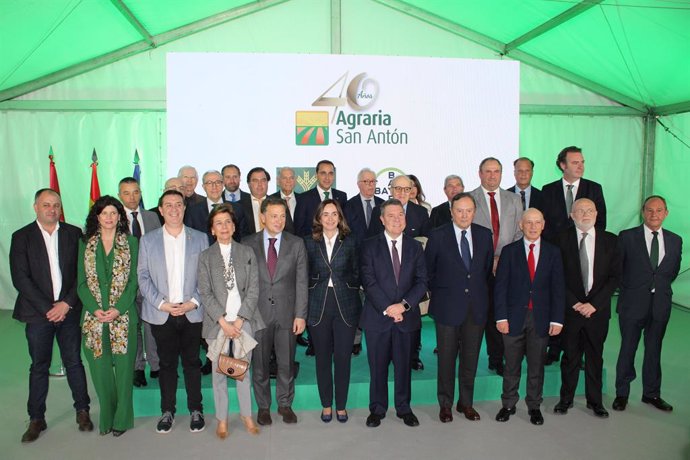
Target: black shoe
(342,418)
(445,415)
(288,414)
(619,403)
(140,378)
(34,430)
(326,418)
(562,407)
(197,423)
(154,374)
(118,433)
(658,403)
(206,368)
(535,417)
(498,368)
(504,414)
(84,421)
(165,423)
(417,364)
(310,350)
(302,341)
(374,420)
(263,418)
(356,349)
(409,419)
(598,410)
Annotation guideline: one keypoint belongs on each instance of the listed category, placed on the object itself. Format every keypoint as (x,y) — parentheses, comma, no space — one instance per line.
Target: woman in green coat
(107,286)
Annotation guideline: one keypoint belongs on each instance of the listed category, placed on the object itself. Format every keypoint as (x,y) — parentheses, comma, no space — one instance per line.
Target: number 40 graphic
(360,88)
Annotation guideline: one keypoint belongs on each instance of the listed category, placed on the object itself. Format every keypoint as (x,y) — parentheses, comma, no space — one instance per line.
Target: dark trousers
(631,330)
(284,342)
(528,343)
(494,339)
(177,339)
(40,337)
(582,335)
(332,340)
(382,348)
(464,341)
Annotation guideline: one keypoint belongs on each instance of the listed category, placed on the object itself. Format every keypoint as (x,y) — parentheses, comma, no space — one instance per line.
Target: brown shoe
(34,429)
(288,415)
(468,412)
(264,417)
(445,415)
(222,429)
(84,421)
(249,425)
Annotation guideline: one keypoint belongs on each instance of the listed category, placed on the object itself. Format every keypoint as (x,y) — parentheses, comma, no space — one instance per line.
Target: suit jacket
(151,221)
(196,217)
(289,221)
(343,269)
(513,288)
(637,276)
(30,271)
(381,290)
(416,221)
(454,290)
(440,215)
(510,216)
(158,214)
(214,290)
(153,274)
(283,298)
(194,199)
(249,225)
(306,207)
(536,199)
(605,278)
(354,215)
(554,206)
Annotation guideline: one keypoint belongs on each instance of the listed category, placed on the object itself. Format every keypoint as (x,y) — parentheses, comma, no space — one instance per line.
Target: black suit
(440,215)
(354,215)
(195,198)
(289,221)
(639,309)
(580,334)
(306,207)
(555,215)
(536,199)
(416,221)
(196,217)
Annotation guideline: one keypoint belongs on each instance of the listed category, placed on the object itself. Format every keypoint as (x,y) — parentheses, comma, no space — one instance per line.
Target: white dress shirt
(330,242)
(130,219)
(648,241)
(458,238)
(398,245)
(322,191)
(256,210)
(234,301)
(51,241)
(174,265)
(291,201)
(589,247)
(497,197)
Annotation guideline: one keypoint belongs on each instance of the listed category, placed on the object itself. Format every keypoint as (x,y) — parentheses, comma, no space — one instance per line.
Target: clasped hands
(585,309)
(395,311)
(504,328)
(178,309)
(107,316)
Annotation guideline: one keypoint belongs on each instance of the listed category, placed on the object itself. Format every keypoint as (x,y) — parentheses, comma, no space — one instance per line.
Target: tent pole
(648,155)
(336,27)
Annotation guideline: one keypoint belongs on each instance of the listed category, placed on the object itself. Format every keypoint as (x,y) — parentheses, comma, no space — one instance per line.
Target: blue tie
(232,197)
(465,250)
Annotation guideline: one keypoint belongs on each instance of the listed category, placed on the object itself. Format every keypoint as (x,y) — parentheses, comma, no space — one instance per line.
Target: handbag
(231,366)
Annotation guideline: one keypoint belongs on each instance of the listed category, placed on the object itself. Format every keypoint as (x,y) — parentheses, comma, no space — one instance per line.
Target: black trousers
(494,339)
(177,339)
(332,340)
(464,341)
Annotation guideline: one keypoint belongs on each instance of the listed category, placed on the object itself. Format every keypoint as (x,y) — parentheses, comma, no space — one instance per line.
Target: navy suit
(387,340)
(289,221)
(536,198)
(416,218)
(639,309)
(354,215)
(555,216)
(459,305)
(306,207)
(440,215)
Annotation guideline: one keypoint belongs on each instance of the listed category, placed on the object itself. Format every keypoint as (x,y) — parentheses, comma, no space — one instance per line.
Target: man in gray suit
(168,259)
(283,306)
(500,211)
(141,221)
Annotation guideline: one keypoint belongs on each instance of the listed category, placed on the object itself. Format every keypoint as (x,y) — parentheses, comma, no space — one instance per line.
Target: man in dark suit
(231,180)
(591,276)
(650,258)
(558,198)
(394,278)
(529,299)
(190,179)
(258,179)
(309,200)
(43,266)
(360,208)
(141,221)
(440,215)
(286,191)
(459,260)
(530,196)
(416,216)
(283,274)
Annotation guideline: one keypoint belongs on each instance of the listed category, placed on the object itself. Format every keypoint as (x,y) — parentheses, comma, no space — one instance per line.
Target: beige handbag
(232,367)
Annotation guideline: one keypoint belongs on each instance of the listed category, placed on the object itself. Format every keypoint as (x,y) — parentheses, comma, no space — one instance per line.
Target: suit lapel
(598,257)
(482,207)
(641,243)
(453,243)
(41,253)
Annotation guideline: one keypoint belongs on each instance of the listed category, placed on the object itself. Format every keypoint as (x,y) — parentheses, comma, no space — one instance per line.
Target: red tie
(531,268)
(495,225)
(272,259)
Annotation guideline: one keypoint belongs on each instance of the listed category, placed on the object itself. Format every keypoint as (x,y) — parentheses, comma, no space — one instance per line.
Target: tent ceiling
(632,51)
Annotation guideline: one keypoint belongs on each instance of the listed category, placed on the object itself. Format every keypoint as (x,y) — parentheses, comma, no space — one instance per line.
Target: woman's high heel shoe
(250,425)
(222,429)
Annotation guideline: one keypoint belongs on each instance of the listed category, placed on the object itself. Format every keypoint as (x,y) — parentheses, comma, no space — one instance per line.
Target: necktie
(569,199)
(272,259)
(522,198)
(136,228)
(396,261)
(465,250)
(654,255)
(495,225)
(532,268)
(368,213)
(232,197)
(326,195)
(584,263)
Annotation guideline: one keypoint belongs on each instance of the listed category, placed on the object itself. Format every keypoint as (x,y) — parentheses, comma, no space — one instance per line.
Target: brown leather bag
(232,367)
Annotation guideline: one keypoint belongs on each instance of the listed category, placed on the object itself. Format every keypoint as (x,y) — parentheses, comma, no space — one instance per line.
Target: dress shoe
(302,341)
(118,433)
(498,368)
(535,417)
(562,407)
(417,364)
(310,350)
(356,349)
(34,429)
(374,420)
(326,417)
(409,419)
(658,403)
(598,410)
(264,417)
(342,418)
(288,415)
(207,367)
(154,374)
(619,403)
(445,415)
(504,414)
(249,425)
(140,378)
(468,412)
(84,421)
(222,429)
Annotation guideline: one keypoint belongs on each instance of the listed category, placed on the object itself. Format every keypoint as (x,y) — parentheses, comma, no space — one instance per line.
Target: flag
(95,189)
(54,183)
(137,175)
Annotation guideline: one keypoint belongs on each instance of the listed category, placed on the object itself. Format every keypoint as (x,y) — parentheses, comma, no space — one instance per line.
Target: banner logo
(384,179)
(311,128)
(305,178)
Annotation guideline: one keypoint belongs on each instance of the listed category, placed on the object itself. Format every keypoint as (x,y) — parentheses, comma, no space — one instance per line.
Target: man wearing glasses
(359,209)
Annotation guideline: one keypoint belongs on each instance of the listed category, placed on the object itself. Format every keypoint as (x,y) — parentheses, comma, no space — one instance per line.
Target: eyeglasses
(585,212)
(213,183)
(369,182)
(402,189)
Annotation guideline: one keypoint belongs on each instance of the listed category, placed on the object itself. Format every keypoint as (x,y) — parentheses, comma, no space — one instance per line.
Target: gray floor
(641,432)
